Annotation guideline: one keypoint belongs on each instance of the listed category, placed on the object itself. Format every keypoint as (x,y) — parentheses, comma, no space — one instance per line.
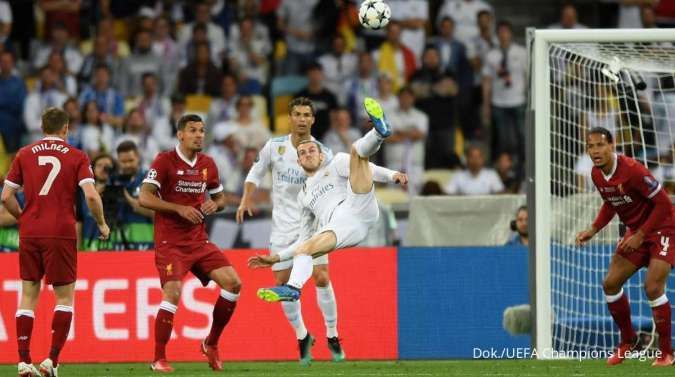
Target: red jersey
(184,182)
(50,171)
(631,191)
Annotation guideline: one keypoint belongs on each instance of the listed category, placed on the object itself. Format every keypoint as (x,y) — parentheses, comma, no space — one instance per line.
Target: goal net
(623,81)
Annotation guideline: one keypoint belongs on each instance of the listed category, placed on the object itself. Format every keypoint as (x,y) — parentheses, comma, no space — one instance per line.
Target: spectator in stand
(65,80)
(59,42)
(465,14)
(109,101)
(630,13)
(296,24)
(248,56)
(405,148)
(164,129)
(189,52)
(568,18)
(225,151)
(105,28)
(99,56)
(476,179)
(12,96)
(46,94)
(338,66)
(248,130)
(395,58)
(223,108)
(142,60)
(435,91)
(323,99)
(72,108)
(200,76)
(341,134)
(136,130)
(166,48)
(519,227)
(5,22)
(648,17)
(97,136)
(455,63)
(507,173)
(413,16)
(152,104)
(62,12)
(214,33)
(385,95)
(504,88)
(477,53)
(362,85)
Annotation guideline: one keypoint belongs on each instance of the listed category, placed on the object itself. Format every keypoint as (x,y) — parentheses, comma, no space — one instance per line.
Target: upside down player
(175,188)
(629,190)
(49,171)
(340,195)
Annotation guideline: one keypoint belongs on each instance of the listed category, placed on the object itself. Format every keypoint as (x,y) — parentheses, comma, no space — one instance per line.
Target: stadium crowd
(449,74)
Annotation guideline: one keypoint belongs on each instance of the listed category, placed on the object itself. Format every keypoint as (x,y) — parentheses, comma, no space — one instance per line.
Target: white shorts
(276,247)
(352,219)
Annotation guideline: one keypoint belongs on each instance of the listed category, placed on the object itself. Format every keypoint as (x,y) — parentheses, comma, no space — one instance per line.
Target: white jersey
(280,156)
(327,188)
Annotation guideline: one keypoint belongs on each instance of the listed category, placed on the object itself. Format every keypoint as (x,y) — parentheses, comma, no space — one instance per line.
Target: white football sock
(325,297)
(301,271)
(292,310)
(369,144)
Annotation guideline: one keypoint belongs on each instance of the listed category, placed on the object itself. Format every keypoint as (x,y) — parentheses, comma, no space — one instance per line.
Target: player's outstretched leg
(301,271)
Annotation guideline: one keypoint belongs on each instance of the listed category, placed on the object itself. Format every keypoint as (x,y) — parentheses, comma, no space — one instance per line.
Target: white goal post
(578,79)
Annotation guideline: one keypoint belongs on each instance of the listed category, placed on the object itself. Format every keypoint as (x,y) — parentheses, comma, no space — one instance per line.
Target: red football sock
(24,329)
(163,327)
(620,310)
(222,312)
(63,316)
(661,315)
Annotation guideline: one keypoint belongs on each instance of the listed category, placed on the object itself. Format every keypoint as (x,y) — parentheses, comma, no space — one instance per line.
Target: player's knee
(653,290)
(172,292)
(611,286)
(233,285)
(321,278)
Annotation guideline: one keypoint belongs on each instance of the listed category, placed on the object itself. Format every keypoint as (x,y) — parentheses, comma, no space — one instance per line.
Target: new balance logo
(24,337)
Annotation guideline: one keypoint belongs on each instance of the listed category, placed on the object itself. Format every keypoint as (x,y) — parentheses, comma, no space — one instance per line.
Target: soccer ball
(374,14)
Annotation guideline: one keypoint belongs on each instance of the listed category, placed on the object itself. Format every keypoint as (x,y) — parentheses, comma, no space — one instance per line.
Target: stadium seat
(281,105)
(197,103)
(441,176)
(282,125)
(260,109)
(391,195)
(285,85)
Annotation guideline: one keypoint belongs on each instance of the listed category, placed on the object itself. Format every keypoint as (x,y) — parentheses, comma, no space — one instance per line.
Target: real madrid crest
(281,149)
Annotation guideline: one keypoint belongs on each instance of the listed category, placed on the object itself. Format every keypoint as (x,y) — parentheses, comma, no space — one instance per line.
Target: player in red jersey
(629,190)
(49,171)
(175,188)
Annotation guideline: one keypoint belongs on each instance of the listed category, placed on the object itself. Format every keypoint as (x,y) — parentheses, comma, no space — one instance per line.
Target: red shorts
(54,258)
(657,245)
(173,262)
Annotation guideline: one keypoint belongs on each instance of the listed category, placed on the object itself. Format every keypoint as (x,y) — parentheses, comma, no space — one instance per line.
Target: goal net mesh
(629,89)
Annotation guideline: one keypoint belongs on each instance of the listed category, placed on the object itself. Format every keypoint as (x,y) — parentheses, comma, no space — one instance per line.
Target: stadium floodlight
(621,79)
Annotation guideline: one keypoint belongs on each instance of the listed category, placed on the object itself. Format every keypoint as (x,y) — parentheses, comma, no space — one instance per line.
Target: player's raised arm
(253,180)
(384,175)
(148,198)
(96,207)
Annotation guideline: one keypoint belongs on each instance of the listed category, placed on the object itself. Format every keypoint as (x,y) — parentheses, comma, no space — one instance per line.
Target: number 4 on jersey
(56,167)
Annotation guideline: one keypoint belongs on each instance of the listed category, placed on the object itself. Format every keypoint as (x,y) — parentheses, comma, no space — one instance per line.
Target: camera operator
(134,221)
(102,166)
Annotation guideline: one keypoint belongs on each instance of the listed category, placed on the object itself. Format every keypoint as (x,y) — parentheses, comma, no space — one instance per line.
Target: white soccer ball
(374,14)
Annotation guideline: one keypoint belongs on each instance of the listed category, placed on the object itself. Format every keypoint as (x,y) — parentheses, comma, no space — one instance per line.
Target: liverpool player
(50,172)
(629,190)
(176,189)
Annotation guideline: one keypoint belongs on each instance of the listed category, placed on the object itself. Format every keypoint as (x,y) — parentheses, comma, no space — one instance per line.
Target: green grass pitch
(533,368)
